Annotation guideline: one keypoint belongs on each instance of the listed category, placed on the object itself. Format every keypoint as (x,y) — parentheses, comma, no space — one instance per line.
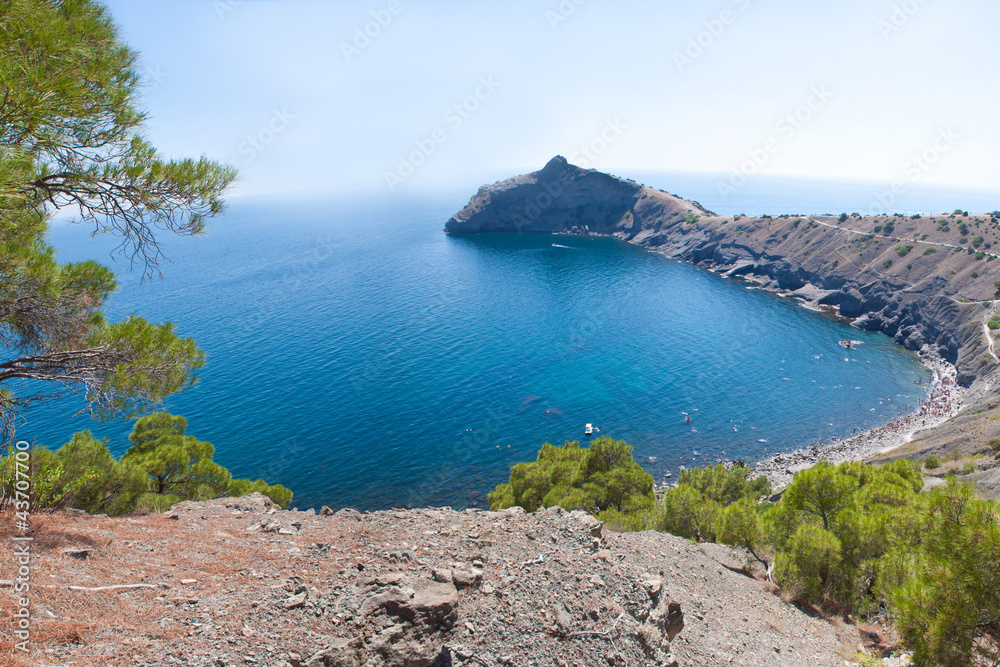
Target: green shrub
(887,263)
(843,217)
(164,466)
(903,250)
(932,462)
(993,324)
(978,241)
(948,609)
(691,509)
(930,251)
(601,477)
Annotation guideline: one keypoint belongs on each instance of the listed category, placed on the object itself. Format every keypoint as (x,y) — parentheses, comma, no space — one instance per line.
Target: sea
(361,357)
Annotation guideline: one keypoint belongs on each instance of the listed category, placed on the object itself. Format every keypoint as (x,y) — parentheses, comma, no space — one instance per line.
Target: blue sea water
(361,357)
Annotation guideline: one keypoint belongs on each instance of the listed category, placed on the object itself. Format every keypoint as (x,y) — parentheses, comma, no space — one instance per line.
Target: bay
(361,357)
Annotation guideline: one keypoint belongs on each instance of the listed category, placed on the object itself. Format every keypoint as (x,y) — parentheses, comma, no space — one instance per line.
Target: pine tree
(72,137)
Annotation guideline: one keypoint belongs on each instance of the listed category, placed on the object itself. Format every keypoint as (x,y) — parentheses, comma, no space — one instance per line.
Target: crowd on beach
(943,402)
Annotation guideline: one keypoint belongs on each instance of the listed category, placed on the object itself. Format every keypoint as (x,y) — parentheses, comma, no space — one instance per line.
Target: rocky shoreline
(926,281)
(944,401)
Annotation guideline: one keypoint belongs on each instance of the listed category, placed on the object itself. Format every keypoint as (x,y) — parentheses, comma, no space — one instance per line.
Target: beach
(944,401)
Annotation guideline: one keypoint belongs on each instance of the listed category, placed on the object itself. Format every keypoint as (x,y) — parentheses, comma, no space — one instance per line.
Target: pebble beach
(944,401)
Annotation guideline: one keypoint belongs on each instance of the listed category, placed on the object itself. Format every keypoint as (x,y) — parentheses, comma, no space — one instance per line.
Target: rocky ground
(238,582)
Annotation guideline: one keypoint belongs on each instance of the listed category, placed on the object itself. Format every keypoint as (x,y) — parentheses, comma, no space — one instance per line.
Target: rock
(349,513)
(391,599)
(674,622)
(79,554)
(254,502)
(466,578)
(653,586)
(563,620)
(389,579)
(434,604)
(594,525)
(442,575)
(295,601)
(325,511)
(341,652)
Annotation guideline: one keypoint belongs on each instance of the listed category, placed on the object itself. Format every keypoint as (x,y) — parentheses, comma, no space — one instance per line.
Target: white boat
(589,430)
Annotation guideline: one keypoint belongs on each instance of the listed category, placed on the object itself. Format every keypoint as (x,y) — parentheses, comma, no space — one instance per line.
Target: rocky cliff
(926,281)
(237,581)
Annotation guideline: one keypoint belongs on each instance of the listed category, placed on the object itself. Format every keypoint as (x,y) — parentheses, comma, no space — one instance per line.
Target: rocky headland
(926,281)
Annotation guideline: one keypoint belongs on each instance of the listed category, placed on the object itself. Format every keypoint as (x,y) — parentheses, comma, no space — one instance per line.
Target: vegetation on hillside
(852,537)
(163,466)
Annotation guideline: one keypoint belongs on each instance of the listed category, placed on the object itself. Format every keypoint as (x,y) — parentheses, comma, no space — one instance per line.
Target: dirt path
(902,240)
(989,334)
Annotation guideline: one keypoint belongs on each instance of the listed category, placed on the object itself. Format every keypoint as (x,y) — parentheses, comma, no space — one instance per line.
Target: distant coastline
(928,282)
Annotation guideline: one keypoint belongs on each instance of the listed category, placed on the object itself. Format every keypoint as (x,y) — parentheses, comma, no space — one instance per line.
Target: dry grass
(93,627)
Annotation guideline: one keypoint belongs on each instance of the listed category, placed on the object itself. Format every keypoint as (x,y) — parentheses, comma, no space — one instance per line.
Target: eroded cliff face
(927,282)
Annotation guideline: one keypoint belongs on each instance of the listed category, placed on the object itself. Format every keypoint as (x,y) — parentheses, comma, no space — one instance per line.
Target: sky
(400,97)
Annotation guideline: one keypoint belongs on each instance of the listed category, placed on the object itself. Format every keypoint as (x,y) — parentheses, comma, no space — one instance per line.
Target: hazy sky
(402,96)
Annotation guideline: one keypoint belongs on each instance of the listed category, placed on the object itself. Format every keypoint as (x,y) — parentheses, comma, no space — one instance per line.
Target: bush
(163,467)
(932,462)
(978,241)
(993,324)
(903,250)
(599,478)
(994,444)
(887,263)
(948,609)
(692,508)
(843,217)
